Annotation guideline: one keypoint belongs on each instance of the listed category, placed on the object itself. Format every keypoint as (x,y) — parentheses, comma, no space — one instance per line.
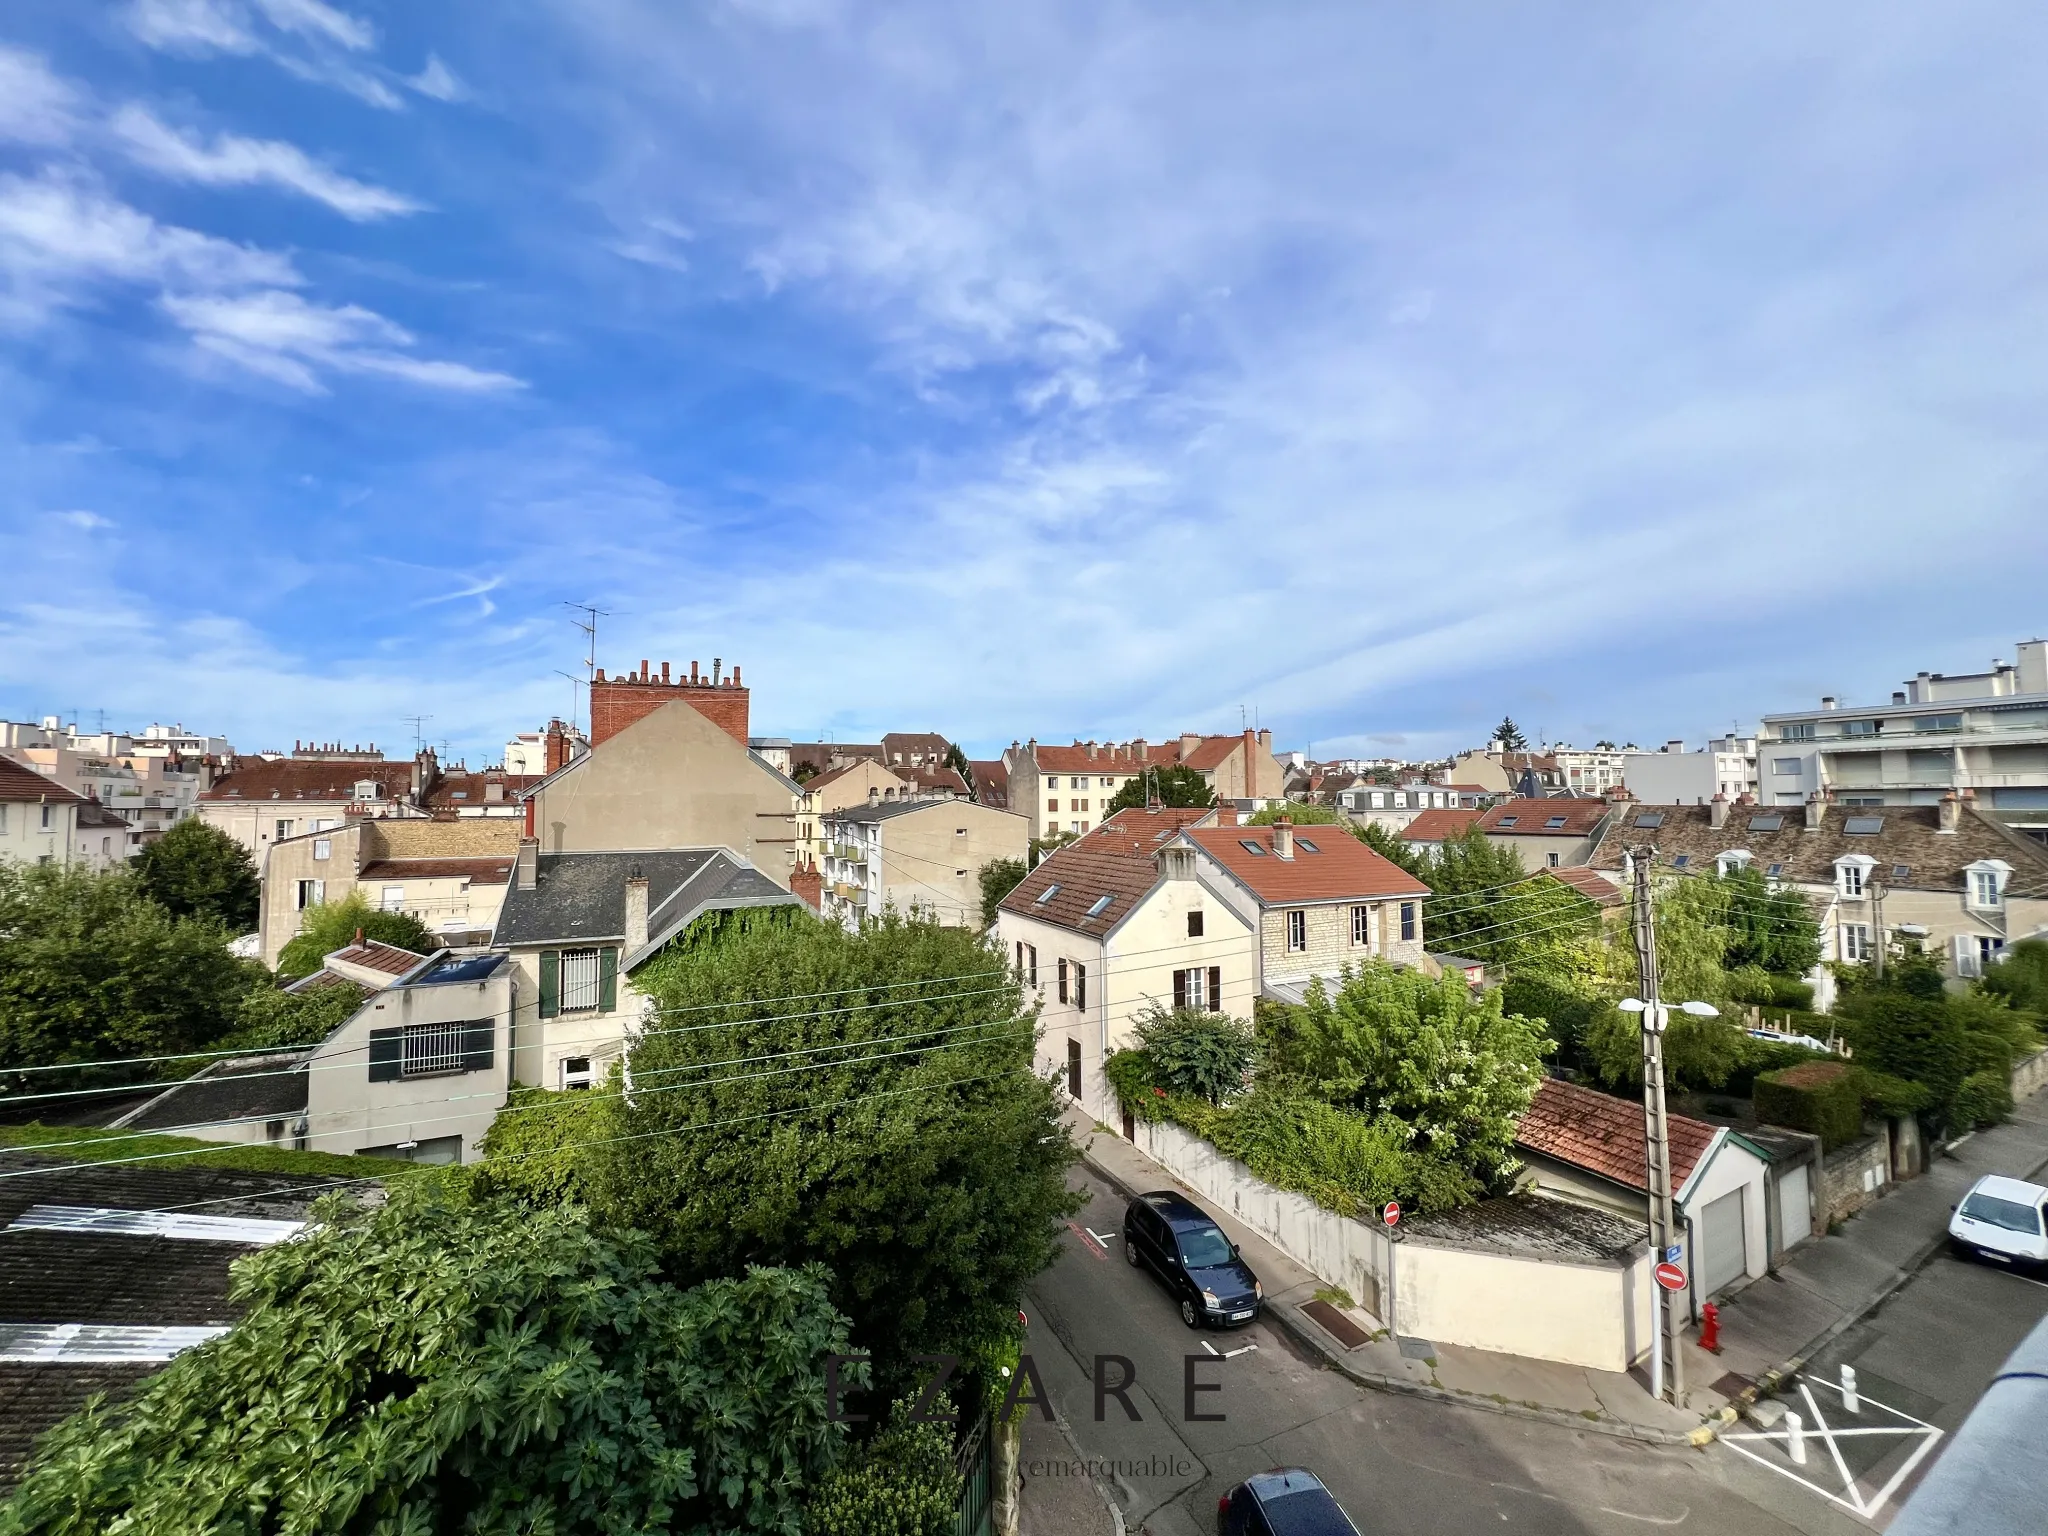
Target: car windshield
(2009,1214)
(1204,1248)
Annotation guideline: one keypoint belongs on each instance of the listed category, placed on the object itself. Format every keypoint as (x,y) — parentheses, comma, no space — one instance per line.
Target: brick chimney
(1251,765)
(1717,812)
(636,910)
(557,747)
(618,702)
(1951,811)
(1283,838)
(1188,742)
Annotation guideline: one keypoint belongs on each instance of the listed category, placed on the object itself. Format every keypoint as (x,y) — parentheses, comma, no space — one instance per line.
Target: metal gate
(976,1464)
(1722,1255)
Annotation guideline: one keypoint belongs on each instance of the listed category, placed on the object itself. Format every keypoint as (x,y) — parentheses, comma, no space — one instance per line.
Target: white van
(2002,1219)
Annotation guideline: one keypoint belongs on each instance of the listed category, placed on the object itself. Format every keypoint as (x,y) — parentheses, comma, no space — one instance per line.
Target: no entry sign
(1390,1213)
(1670,1276)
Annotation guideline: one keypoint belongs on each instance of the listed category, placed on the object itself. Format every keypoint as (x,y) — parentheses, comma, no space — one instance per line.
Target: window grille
(579,979)
(427,1049)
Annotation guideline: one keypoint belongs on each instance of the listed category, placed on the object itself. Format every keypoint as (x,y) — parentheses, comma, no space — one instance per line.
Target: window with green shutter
(550,983)
(608,979)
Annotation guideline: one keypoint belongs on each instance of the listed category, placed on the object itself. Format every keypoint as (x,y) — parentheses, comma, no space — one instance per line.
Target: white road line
(1101,1237)
(1232,1354)
(1834,1450)
(1912,1461)
(1855,1502)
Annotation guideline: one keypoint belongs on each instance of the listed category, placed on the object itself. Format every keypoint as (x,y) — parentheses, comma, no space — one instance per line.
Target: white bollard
(1795,1439)
(1850,1401)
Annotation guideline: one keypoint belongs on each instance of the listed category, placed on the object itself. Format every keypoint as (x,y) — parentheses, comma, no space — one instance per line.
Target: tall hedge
(1822,1097)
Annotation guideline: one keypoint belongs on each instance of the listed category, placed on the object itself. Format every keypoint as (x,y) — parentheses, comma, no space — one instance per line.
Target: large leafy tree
(91,968)
(1485,906)
(957,761)
(1770,927)
(272,1018)
(439,1366)
(1388,846)
(333,925)
(1451,1065)
(1178,785)
(197,870)
(1300,815)
(866,1100)
(1693,937)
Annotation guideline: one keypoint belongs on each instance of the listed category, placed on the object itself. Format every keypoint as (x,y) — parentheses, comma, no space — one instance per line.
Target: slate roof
(885,810)
(581,897)
(1910,836)
(91,1277)
(1523,817)
(1439,825)
(293,778)
(92,814)
(928,778)
(1117,860)
(1603,1135)
(249,1088)
(1532,1225)
(930,744)
(18,783)
(1340,869)
(485,871)
(991,782)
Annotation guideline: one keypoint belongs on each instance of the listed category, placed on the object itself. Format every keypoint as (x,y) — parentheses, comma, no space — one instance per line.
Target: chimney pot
(1827,700)
(1717,811)
(1283,838)
(717,666)
(664,674)
(1951,812)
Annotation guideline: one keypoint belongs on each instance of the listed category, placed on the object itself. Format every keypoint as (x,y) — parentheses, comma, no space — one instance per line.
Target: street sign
(1673,1254)
(1390,1213)
(1670,1276)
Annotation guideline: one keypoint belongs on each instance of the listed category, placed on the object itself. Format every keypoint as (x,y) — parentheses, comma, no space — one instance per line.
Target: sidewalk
(1602,1402)
(1773,1325)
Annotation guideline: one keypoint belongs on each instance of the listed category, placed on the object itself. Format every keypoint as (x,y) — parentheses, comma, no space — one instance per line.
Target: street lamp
(1657,1169)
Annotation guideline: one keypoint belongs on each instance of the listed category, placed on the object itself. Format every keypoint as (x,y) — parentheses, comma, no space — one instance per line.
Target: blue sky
(1065,369)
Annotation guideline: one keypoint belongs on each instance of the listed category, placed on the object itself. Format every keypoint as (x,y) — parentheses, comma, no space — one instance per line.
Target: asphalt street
(1398,1464)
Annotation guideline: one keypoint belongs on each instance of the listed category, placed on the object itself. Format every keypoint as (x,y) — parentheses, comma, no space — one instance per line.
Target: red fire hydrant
(1710,1329)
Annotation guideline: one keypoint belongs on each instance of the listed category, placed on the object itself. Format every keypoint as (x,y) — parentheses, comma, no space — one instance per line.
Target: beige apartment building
(918,857)
(38,817)
(1119,922)
(1068,789)
(451,875)
(259,801)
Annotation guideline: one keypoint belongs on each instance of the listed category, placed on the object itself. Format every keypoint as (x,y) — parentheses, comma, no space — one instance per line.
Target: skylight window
(1554,822)
(1681,861)
(1766,823)
(1507,821)
(1901,871)
(1863,826)
(1249,846)
(1650,819)
(1775,870)
(1101,906)
(1306,846)
(1046,895)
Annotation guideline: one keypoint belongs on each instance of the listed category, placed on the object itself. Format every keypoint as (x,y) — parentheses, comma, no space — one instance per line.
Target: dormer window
(367,789)
(1733,860)
(1984,884)
(1852,875)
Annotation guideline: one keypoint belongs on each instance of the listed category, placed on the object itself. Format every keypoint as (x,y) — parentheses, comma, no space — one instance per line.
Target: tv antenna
(419,737)
(588,624)
(575,682)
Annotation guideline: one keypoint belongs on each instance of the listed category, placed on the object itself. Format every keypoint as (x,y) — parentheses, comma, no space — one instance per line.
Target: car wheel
(1130,1251)
(1188,1314)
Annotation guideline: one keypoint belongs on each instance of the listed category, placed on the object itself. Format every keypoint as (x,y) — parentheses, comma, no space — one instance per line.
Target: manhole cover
(1418,1349)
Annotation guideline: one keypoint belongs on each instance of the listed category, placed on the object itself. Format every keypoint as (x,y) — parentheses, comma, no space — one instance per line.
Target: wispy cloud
(36,107)
(438,81)
(282,336)
(233,161)
(308,39)
(90,522)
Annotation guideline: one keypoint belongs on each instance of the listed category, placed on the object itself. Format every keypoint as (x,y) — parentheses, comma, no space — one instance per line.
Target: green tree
(1300,815)
(197,870)
(1389,846)
(1453,1066)
(1178,785)
(333,925)
(436,1366)
(1771,928)
(804,772)
(1194,1051)
(999,877)
(2021,979)
(1485,906)
(271,1018)
(92,969)
(957,761)
(906,1143)
(1510,736)
(1692,952)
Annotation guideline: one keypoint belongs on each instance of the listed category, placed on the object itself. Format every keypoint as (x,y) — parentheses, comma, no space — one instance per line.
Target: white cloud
(192,26)
(36,107)
(306,38)
(310,18)
(232,160)
(438,81)
(91,522)
(282,336)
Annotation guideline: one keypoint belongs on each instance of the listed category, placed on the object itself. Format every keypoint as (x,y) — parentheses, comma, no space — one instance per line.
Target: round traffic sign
(1670,1276)
(1390,1213)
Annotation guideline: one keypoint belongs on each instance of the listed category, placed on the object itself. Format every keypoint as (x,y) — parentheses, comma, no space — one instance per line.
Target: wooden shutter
(1215,989)
(1063,981)
(1080,986)
(607,979)
(479,1037)
(384,1055)
(1180,989)
(550,983)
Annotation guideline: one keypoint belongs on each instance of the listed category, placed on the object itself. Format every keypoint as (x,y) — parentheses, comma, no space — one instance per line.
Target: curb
(1303,1334)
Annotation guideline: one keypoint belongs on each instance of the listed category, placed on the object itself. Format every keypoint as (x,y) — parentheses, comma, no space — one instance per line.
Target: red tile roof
(1604,1135)
(1115,860)
(929,778)
(991,781)
(1587,882)
(480,871)
(1438,826)
(377,956)
(1212,752)
(1340,869)
(18,783)
(289,778)
(1108,757)
(1528,817)
(462,790)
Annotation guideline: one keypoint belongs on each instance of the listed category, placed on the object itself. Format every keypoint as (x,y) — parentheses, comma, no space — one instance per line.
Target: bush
(1300,815)
(1190,1050)
(1569,1011)
(1753,985)
(1761,1056)
(999,877)
(1821,1097)
(2021,978)
(1891,1096)
(334,925)
(1983,1099)
(271,1018)
(903,1483)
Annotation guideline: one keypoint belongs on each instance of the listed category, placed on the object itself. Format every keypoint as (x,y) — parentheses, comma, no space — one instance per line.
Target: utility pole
(1657,1138)
(1877,925)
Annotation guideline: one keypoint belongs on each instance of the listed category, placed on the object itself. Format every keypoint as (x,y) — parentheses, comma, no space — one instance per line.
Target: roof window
(1650,819)
(1766,823)
(1306,846)
(1249,846)
(1047,894)
(1775,870)
(1507,821)
(1554,822)
(1681,861)
(1863,826)
(1901,871)
(1101,906)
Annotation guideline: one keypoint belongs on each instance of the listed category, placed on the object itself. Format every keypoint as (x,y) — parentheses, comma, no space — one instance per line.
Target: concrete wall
(932,857)
(1852,1177)
(1535,850)
(25,839)
(1590,1314)
(285,864)
(672,779)
(2030,1075)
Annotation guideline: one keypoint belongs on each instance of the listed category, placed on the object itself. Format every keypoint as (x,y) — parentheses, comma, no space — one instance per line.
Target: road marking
(1851,1496)
(1090,1243)
(1103,1238)
(1228,1354)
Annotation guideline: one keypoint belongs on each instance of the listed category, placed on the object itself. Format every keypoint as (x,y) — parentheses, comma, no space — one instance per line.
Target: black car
(1190,1253)
(1284,1502)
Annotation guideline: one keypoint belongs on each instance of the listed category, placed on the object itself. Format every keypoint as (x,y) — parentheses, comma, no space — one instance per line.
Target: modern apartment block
(1984,734)
(1673,776)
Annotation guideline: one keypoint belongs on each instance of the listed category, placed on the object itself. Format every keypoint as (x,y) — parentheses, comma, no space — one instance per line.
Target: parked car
(2002,1219)
(1201,1267)
(1284,1502)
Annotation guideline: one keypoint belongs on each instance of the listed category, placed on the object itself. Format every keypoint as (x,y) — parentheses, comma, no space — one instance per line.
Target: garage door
(1795,1220)
(1721,1256)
